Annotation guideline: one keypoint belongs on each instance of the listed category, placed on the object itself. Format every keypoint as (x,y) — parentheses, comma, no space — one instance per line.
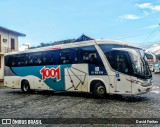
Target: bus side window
(55,57)
(37,58)
(50,57)
(65,57)
(93,58)
(15,61)
(20,60)
(74,56)
(118,61)
(90,55)
(85,57)
(122,65)
(8,61)
(12,61)
(111,59)
(45,58)
(51,61)
(26,60)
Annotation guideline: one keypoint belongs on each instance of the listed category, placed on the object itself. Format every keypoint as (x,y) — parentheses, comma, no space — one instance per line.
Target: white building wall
(8,36)
(2,68)
(6,46)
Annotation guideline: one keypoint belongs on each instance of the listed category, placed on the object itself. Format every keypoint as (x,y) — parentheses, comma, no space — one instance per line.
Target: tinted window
(65,57)
(90,55)
(74,55)
(108,47)
(87,54)
(36,58)
(12,43)
(119,61)
(50,57)
(20,60)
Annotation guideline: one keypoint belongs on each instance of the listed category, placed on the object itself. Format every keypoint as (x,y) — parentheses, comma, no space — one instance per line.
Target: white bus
(151,58)
(99,67)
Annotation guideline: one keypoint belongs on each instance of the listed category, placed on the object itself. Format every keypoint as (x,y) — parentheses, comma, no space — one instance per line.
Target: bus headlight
(139,83)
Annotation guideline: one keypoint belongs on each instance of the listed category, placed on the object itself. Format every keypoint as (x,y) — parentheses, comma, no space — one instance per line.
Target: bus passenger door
(123,69)
(122,77)
(122,83)
(119,62)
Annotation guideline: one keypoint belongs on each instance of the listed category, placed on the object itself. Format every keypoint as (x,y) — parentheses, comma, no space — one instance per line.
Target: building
(83,37)
(8,43)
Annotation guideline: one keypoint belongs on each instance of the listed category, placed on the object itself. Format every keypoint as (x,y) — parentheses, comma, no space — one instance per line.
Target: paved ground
(14,103)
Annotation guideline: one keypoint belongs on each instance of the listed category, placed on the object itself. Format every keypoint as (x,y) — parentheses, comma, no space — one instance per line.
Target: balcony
(4,50)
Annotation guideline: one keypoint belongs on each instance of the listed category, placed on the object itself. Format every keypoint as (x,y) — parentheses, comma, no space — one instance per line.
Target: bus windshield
(127,62)
(140,66)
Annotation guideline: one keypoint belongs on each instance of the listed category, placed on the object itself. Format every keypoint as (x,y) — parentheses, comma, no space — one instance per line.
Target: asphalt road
(15,104)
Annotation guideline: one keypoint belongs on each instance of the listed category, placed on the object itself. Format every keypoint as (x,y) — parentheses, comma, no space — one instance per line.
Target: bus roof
(75,44)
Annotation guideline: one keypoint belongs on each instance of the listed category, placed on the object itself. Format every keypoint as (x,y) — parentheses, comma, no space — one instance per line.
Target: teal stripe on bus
(52,82)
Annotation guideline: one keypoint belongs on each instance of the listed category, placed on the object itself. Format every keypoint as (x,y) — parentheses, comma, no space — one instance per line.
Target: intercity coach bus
(97,66)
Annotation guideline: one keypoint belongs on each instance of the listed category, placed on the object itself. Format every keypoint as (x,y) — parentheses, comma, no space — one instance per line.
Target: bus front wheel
(25,86)
(99,90)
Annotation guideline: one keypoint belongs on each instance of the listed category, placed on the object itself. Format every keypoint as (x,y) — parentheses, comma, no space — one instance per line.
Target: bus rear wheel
(25,86)
(99,90)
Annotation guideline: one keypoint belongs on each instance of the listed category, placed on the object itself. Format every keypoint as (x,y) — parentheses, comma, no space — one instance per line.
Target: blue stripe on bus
(35,71)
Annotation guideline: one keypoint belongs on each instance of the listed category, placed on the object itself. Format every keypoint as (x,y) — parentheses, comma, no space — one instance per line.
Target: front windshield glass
(140,66)
(137,65)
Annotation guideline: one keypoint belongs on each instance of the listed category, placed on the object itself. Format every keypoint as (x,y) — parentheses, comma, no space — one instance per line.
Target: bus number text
(50,73)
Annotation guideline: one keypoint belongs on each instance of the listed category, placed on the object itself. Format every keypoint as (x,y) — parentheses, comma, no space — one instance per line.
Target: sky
(135,21)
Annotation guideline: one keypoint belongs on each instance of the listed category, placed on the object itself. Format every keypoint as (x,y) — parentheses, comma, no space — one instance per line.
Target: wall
(2,68)
(8,42)
(4,46)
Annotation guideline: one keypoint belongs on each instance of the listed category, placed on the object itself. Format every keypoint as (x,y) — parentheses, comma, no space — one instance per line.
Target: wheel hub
(101,90)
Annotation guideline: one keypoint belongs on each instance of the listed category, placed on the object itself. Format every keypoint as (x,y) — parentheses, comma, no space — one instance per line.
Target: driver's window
(118,61)
(121,63)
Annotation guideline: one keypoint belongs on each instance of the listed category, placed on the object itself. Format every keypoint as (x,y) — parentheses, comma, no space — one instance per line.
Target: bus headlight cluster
(139,83)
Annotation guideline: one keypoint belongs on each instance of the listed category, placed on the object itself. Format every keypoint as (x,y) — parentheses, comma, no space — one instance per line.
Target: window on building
(12,43)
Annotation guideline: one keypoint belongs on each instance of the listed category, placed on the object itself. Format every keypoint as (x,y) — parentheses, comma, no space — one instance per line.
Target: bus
(151,58)
(97,66)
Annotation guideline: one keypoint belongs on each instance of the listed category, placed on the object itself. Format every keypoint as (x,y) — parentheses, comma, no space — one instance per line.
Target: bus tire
(99,90)
(25,86)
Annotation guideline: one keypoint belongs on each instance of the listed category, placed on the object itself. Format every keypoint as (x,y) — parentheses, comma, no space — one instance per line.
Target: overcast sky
(54,20)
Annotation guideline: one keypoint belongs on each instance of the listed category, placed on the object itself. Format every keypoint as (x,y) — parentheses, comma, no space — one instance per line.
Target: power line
(152,34)
(134,36)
